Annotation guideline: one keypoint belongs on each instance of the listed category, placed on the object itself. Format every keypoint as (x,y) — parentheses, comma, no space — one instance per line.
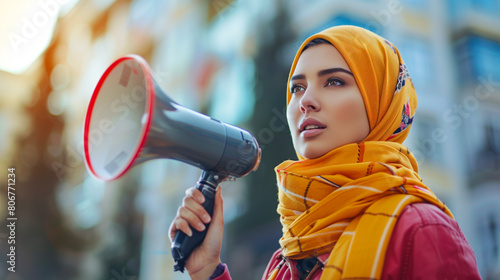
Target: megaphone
(130,120)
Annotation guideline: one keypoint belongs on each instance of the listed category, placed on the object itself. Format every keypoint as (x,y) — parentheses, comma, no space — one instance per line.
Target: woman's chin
(312,153)
(315,150)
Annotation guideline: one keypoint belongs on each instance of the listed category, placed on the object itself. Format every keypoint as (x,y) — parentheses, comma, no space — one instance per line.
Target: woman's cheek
(349,110)
(292,111)
(291,117)
(351,119)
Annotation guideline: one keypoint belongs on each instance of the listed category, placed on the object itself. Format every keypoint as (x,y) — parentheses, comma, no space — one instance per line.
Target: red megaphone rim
(148,110)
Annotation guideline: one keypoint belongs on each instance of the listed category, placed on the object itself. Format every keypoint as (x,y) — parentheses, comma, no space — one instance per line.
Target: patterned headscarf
(382,77)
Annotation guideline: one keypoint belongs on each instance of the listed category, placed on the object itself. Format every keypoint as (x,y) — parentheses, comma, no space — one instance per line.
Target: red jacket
(426,244)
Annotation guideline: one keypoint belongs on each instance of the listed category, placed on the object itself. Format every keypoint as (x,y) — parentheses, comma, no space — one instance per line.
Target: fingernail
(201,226)
(206,218)
(190,233)
(201,199)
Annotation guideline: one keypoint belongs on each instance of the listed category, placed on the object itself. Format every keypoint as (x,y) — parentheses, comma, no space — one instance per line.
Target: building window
(478,58)
(488,157)
(484,6)
(459,9)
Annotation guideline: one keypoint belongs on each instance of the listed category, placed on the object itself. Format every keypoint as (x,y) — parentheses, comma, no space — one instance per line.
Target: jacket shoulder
(422,242)
(273,263)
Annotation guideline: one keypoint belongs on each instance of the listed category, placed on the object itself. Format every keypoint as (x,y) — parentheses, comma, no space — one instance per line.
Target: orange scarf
(347,201)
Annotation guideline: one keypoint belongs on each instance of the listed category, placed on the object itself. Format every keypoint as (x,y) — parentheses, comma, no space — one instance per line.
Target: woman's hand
(205,258)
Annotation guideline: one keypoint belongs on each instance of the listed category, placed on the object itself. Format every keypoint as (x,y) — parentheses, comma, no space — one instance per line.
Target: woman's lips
(311,127)
(311,132)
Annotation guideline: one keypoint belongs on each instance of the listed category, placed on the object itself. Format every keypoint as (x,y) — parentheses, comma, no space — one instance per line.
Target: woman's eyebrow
(333,70)
(322,73)
(298,77)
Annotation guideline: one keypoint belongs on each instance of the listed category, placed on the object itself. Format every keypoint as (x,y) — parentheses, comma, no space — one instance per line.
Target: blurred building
(230,60)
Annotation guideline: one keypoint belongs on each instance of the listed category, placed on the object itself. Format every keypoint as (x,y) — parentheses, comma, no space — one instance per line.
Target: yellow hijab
(347,201)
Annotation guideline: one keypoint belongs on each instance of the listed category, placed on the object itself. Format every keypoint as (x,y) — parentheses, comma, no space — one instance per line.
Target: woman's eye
(296,88)
(335,82)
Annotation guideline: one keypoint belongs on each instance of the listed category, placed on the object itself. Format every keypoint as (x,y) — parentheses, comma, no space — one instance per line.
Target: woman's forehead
(318,57)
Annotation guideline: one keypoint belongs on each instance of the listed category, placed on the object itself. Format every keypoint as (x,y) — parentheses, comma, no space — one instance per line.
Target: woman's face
(326,109)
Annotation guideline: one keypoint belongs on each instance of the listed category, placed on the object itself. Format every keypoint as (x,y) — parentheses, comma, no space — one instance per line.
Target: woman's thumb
(218,216)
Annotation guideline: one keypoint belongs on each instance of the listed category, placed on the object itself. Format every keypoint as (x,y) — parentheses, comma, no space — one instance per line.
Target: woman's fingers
(191,213)
(196,194)
(179,224)
(193,204)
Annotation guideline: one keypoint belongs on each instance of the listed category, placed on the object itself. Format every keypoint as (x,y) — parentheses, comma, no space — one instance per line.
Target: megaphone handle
(184,245)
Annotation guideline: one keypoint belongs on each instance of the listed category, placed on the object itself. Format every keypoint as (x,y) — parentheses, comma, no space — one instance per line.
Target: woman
(353,206)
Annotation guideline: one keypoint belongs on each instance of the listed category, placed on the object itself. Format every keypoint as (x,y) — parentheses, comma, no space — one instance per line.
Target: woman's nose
(309,102)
